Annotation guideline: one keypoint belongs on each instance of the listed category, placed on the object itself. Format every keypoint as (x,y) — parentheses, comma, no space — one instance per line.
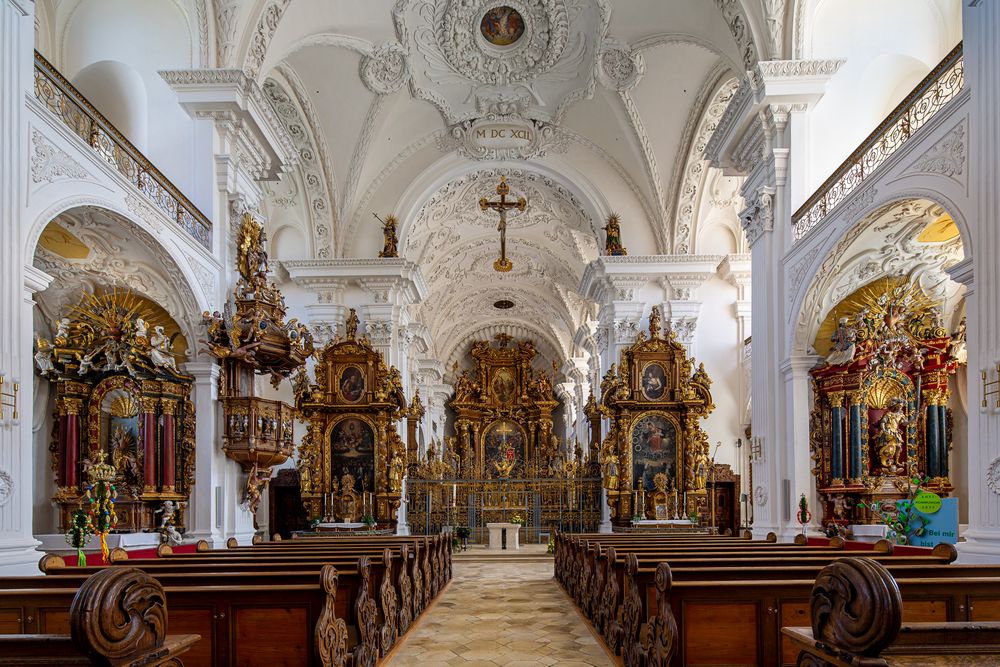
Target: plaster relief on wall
(48,163)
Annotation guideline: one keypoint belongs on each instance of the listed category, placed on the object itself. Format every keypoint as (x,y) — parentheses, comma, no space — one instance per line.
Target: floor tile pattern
(501,613)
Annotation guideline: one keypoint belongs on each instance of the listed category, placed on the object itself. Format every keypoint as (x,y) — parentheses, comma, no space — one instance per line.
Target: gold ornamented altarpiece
(503,413)
(881,415)
(351,459)
(504,458)
(655,452)
(118,391)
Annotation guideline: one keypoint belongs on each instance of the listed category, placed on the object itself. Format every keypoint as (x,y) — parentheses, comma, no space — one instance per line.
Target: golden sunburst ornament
(110,312)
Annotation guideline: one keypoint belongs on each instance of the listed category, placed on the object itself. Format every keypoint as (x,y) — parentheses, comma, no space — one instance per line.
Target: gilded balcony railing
(938,88)
(66,102)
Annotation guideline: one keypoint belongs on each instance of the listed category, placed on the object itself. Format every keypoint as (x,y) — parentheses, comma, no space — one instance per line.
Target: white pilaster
(17,554)
(205,518)
(981,23)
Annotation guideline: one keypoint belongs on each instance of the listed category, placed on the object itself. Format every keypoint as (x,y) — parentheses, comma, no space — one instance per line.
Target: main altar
(503,461)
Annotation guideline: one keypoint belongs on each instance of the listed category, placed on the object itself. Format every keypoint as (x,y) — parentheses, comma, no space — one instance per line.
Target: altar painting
(503,448)
(352,384)
(352,446)
(654,450)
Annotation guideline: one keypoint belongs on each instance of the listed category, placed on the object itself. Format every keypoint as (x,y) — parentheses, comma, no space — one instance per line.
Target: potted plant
(369,521)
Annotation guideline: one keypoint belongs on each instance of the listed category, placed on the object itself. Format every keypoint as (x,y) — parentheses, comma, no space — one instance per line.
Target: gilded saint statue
(351,325)
(611,472)
(389,239)
(251,254)
(613,243)
(889,436)
(654,322)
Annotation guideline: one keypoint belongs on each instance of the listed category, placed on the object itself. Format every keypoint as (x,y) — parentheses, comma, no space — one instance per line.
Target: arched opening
(114,287)
(118,91)
(885,322)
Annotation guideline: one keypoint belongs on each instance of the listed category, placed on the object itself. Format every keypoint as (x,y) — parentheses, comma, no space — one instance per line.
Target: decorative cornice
(399,275)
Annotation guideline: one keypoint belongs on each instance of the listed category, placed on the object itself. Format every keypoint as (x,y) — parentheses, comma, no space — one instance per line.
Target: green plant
(902,520)
(462,532)
(79,534)
(637,517)
(552,546)
(368,520)
(315,521)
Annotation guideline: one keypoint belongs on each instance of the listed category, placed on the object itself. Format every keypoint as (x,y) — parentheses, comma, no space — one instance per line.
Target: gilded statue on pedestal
(351,326)
(613,243)
(611,472)
(389,240)
(889,437)
(843,344)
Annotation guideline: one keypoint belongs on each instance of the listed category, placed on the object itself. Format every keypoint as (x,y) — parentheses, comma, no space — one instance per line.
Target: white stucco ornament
(993,476)
(760,496)
(6,487)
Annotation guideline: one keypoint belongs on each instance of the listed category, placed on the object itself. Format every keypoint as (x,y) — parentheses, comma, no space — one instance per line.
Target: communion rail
(932,94)
(569,505)
(61,98)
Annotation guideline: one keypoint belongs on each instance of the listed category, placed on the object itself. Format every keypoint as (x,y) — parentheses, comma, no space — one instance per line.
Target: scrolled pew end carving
(118,613)
(663,626)
(856,607)
(801,539)
(771,537)
(118,555)
(836,543)
(331,632)
(164,550)
(202,545)
(232,543)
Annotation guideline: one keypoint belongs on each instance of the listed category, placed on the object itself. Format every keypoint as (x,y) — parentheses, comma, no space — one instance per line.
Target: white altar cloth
(497,531)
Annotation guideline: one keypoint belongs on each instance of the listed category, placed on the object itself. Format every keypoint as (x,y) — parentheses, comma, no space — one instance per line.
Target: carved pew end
(50,562)
(276,537)
(202,545)
(231,543)
(945,550)
(118,555)
(884,546)
(256,539)
(801,539)
(164,550)
(836,543)
(771,537)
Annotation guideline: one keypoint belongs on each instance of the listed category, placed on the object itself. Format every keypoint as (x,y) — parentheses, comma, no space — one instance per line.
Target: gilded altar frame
(654,377)
(352,381)
(503,386)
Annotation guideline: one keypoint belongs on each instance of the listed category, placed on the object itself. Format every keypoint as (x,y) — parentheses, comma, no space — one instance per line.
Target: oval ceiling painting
(502,26)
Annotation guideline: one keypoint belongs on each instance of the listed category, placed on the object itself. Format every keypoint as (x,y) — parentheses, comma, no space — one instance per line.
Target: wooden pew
(239,624)
(857,618)
(117,617)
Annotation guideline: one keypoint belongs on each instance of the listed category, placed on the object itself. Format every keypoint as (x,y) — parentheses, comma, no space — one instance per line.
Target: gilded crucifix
(503,264)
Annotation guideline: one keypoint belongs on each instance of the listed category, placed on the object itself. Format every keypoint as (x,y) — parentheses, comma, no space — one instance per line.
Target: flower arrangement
(803,515)
(552,545)
(517,519)
(368,520)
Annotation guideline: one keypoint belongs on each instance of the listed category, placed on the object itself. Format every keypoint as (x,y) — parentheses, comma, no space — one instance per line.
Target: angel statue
(160,350)
(613,243)
(389,239)
(843,344)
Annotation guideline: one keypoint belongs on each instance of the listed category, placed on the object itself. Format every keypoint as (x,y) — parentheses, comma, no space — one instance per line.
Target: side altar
(654,459)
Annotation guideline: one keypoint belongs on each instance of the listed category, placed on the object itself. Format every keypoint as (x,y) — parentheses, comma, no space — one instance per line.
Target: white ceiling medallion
(471,58)
(993,476)
(620,68)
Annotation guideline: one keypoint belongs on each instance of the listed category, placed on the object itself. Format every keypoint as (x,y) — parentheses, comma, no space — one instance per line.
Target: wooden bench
(857,615)
(117,617)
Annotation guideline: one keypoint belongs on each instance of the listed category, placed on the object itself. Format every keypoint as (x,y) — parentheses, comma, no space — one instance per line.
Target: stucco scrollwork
(48,163)
(6,487)
(993,476)
(946,157)
(385,70)
(620,67)
(760,496)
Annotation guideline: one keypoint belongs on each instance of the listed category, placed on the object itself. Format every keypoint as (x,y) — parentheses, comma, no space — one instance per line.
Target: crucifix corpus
(503,264)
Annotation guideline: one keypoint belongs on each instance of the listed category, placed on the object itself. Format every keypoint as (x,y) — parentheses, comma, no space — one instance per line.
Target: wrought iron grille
(938,88)
(571,505)
(61,98)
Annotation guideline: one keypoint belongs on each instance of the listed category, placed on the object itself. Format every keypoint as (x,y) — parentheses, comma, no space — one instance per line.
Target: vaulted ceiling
(384,99)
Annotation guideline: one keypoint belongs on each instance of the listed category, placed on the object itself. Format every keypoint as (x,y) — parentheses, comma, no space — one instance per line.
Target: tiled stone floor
(501,613)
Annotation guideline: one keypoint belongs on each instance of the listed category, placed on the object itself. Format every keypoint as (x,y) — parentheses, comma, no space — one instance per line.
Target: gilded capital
(836,399)
(168,406)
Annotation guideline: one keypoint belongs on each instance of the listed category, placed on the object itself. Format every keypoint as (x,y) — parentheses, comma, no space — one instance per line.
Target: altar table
(497,531)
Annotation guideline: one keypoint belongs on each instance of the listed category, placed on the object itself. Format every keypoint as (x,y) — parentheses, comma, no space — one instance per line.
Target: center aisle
(502,610)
